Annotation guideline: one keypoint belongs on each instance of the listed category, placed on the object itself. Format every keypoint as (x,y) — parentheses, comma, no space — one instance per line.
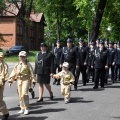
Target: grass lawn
(31,57)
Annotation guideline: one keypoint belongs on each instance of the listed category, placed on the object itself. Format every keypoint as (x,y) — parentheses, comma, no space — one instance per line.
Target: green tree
(61,19)
(111,19)
(2,6)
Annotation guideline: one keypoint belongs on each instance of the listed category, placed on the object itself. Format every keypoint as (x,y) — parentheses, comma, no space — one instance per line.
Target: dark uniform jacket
(44,63)
(101,58)
(83,55)
(90,56)
(117,57)
(112,53)
(70,55)
(57,54)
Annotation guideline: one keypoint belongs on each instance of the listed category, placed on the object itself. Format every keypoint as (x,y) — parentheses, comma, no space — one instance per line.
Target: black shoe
(102,87)
(87,80)
(84,84)
(51,97)
(75,88)
(5,117)
(54,82)
(58,83)
(106,82)
(95,87)
(40,100)
(33,94)
(113,81)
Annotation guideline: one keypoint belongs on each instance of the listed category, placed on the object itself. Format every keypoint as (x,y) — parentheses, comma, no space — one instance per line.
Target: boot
(84,84)
(51,96)
(54,82)
(40,100)
(75,87)
(5,117)
(58,82)
(33,94)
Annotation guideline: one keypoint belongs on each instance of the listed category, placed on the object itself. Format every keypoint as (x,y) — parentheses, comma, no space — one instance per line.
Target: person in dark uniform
(117,62)
(115,45)
(91,53)
(57,51)
(83,58)
(112,53)
(97,43)
(101,64)
(106,43)
(44,66)
(70,55)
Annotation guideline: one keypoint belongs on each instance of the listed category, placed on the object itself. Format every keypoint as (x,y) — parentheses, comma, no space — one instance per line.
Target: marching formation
(92,61)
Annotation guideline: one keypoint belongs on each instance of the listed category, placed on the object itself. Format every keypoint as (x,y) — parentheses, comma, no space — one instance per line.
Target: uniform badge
(97,55)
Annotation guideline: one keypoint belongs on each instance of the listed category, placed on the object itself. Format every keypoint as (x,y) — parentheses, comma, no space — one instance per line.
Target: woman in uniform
(43,68)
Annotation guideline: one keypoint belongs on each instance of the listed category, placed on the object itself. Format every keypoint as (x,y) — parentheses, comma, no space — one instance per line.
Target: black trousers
(90,72)
(56,66)
(81,69)
(117,72)
(99,74)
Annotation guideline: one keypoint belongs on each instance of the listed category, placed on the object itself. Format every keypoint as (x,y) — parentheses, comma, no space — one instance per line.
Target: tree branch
(30,8)
(16,4)
(10,12)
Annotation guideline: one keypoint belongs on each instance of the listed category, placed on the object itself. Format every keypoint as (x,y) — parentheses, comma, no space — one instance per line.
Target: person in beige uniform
(3,78)
(23,73)
(67,79)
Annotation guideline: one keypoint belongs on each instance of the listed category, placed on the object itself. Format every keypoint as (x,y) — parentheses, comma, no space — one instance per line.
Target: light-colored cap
(65,64)
(22,53)
(1,54)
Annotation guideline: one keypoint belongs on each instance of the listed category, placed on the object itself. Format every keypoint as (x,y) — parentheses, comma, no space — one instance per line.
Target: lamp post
(109,29)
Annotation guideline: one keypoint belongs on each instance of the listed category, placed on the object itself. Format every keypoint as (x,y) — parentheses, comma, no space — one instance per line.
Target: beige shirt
(22,71)
(3,72)
(66,77)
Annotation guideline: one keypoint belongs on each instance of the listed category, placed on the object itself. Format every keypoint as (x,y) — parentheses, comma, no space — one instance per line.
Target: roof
(12,10)
(36,17)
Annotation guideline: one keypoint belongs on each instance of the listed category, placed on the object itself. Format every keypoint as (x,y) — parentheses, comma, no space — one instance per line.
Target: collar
(44,52)
(66,72)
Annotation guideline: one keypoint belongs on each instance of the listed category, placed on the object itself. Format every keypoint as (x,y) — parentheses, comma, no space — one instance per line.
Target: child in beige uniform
(3,78)
(23,73)
(67,79)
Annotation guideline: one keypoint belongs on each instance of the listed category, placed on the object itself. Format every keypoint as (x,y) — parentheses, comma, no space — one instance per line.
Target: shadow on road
(91,89)
(113,86)
(76,99)
(33,113)
(43,103)
(42,111)
(117,118)
(34,105)
(16,117)
(58,99)
(79,99)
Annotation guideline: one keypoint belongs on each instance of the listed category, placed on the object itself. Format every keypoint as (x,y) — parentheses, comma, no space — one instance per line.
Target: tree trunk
(58,28)
(97,20)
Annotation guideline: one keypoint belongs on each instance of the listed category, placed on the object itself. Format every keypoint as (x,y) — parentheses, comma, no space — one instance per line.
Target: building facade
(14,33)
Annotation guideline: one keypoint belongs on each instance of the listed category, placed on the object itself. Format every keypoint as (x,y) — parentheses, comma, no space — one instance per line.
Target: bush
(14,58)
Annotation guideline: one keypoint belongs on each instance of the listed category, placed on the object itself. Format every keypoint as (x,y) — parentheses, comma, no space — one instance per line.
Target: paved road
(86,103)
